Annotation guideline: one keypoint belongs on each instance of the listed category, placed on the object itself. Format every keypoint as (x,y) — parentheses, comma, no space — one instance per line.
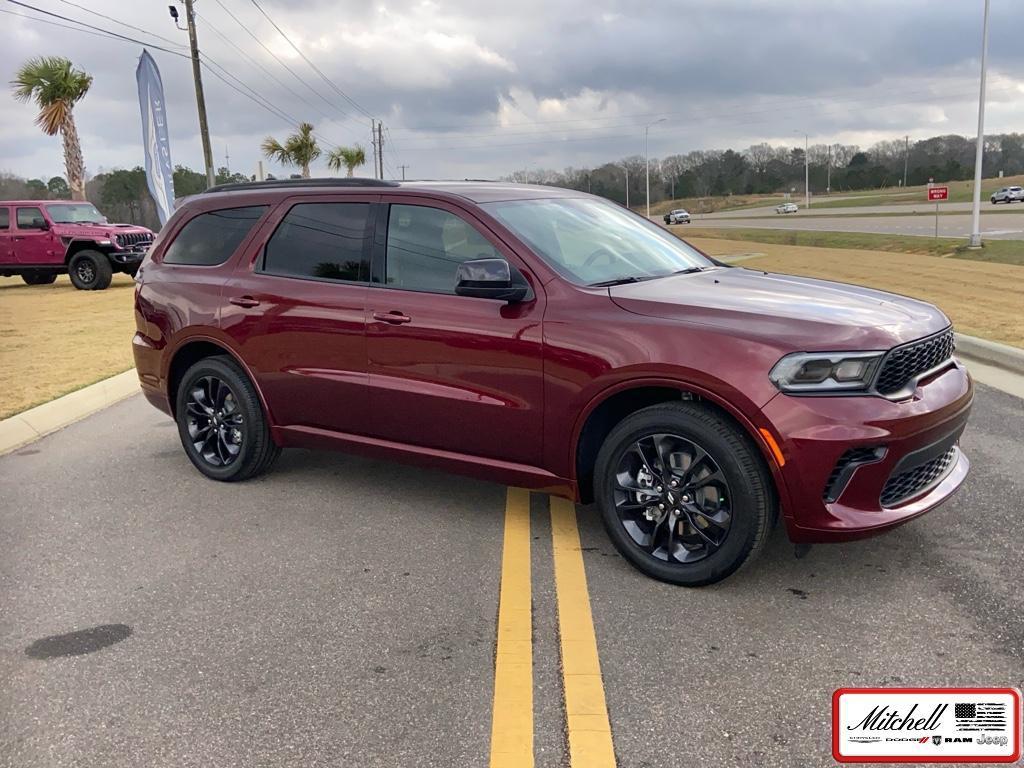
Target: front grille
(132,239)
(905,363)
(914,482)
(843,470)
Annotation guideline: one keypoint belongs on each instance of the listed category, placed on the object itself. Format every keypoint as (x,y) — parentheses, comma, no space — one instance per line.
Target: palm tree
(56,86)
(298,149)
(350,157)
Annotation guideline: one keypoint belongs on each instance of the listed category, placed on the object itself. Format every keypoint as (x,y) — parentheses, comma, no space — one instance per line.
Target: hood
(798,313)
(108,231)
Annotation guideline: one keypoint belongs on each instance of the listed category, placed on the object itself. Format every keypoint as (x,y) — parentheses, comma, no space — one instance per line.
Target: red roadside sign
(938,193)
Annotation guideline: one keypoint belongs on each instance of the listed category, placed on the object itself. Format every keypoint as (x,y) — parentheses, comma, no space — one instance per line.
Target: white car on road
(1008,195)
(787,208)
(678,216)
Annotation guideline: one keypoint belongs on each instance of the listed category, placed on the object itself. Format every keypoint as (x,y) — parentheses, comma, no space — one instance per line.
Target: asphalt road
(342,612)
(1004,222)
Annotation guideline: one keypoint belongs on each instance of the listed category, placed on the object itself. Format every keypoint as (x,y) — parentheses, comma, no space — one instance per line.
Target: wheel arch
(73,247)
(190,352)
(614,404)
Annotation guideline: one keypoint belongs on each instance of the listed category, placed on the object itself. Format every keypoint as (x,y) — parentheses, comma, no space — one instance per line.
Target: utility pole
(828,169)
(227,160)
(403,167)
(807,172)
(906,160)
(647,163)
(380,147)
(373,142)
(197,76)
(979,155)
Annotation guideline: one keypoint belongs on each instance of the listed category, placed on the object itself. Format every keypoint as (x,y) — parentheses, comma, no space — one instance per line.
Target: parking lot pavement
(343,612)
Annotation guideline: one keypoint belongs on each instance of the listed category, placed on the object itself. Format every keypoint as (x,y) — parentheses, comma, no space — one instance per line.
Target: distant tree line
(766,169)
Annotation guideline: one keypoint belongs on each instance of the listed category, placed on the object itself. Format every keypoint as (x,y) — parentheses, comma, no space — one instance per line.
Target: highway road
(1001,222)
(343,612)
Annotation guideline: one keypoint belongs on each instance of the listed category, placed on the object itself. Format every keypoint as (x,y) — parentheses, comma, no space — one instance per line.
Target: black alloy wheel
(672,498)
(684,494)
(221,422)
(214,422)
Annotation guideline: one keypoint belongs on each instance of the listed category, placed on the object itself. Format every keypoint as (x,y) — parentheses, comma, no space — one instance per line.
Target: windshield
(592,241)
(76,213)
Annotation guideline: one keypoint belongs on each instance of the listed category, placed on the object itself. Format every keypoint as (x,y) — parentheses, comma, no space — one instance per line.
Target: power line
(124,24)
(269,74)
(313,66)
(249,32)
(106,32)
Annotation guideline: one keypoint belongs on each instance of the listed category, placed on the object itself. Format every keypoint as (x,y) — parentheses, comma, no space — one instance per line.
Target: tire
(742,501)
(90,271)
(256,448)
(39,278)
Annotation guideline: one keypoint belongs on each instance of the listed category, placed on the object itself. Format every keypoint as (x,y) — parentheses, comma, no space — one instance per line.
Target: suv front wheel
(683,494)
(221,422)
(90,271)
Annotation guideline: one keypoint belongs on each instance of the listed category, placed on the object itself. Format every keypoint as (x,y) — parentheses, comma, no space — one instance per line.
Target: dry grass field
(982,299)
(54,339)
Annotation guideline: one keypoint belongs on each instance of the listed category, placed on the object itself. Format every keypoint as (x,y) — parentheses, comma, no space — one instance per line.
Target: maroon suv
(40,239)
(549,339)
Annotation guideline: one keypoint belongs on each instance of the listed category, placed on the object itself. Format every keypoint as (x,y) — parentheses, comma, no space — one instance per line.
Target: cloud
(480,89)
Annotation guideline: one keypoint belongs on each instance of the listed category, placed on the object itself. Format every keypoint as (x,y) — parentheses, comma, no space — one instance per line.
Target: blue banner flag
(155,140)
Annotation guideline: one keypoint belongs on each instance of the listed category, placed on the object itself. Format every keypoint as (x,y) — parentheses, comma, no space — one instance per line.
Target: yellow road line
(590,733)
(512,723)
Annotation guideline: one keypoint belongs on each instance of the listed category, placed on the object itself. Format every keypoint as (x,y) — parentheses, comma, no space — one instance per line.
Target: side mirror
(490,279)
(38,223)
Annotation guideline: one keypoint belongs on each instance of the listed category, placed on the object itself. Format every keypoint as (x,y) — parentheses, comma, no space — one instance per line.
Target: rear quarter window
(210,238)
(5,218)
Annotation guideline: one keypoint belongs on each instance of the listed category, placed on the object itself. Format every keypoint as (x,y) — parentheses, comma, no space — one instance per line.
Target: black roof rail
(286,183)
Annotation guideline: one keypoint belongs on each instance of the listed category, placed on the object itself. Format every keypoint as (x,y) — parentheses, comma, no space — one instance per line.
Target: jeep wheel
(221,421)
(683,494)
(39,278)
(90,271)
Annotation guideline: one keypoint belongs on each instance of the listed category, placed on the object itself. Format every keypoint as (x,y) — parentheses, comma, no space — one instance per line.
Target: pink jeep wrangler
(40,239)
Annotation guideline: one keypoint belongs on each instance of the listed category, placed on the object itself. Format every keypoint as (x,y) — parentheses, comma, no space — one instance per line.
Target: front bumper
(127,257)
(912,434)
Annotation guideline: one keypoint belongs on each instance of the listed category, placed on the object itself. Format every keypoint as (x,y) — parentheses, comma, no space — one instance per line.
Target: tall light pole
(625,170)
(807,171)
(979,154)
(647,162)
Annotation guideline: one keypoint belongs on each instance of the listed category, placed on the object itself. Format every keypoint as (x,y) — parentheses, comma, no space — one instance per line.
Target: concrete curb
(30,425)
(991,353)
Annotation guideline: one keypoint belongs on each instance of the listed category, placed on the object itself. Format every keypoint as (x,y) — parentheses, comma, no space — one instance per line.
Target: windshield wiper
(618,281)
(689,271)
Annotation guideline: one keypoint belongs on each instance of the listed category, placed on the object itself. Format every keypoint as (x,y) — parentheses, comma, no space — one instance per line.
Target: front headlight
(825,372)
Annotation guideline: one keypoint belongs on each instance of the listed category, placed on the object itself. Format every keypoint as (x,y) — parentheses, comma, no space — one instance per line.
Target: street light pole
(979,154)
(625,170)
(647,163)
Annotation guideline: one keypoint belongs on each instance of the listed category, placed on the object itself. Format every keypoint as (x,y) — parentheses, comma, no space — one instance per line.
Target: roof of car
(478,191)
(43,202)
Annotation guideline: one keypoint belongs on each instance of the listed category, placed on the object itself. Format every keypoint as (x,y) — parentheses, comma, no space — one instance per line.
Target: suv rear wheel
(221,422)
(39,278)
(90,271)
(683,494)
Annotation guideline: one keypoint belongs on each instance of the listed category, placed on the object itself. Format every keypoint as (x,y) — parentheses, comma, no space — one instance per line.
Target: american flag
(980,716)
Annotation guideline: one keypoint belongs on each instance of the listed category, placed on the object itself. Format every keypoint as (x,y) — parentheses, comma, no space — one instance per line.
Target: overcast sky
(471,88)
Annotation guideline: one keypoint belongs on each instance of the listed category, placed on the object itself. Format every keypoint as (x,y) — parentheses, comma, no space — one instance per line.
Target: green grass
(959,192)
(997,251)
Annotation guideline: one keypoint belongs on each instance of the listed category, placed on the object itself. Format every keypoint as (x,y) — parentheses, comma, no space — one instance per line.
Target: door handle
(244,301)
(19,237)
(394,317)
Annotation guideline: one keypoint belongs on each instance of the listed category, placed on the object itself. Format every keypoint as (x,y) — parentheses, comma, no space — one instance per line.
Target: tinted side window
(5,218)
(326,241)
(27,217)
(425,247)
(210,238)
